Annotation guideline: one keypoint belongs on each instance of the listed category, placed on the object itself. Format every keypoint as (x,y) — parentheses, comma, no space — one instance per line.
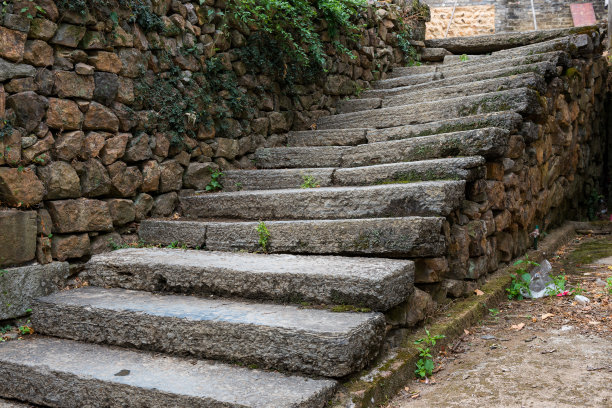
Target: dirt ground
(549,352)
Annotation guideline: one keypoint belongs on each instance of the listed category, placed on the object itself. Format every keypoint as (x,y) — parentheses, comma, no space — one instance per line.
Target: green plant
(6,128)
(609,285)
(519,287)
(215,183)
(463,58)
(425,364)
(493,312)
(176,245)
(558,285)
(264,236)
(26,328)
(309,181)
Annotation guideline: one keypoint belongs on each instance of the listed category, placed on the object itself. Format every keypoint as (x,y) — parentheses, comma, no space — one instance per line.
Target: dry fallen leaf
(466,331)
(479,292)
(534,319)
(547,315)
(518,327)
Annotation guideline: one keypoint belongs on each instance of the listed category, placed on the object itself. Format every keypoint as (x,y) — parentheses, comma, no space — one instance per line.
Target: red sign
(583,14)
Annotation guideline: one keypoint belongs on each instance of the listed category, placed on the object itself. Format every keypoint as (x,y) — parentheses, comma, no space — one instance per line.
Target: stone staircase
(231,327)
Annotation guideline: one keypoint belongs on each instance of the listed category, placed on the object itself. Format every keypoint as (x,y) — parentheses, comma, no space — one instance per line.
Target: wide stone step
(456,59)
(494,62)
(333,137)
(395,237)
(392,200)
(576,45)
(488,142)
(376,283)
(416,70)
(288,338)
(407,80)
(63,373)
(510,121)
(467,168)
(545,69)
(482,44)
(528,80)
(521,100)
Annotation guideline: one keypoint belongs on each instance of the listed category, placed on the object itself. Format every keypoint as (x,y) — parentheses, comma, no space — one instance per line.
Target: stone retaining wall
(473,17)
(80,152)
(552,172)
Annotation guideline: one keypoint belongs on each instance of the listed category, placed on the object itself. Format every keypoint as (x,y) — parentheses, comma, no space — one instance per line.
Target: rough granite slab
(407,80)
(166,232)
(20,286)
(545,69)
(288,338)
(372,282)
(528,80)
(482,44)
(333,137)
(238,180)
(392,200)
(487,142)
(511,121)
(576,45)
(521,100)
(410,236)
(356,105)
(407,237)
(69,374)
(323,156)
(454,168)
(495,62)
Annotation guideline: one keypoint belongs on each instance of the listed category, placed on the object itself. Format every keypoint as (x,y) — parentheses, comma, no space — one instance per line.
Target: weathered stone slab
(463,168)
(576,45)
(487,142)
(545,69)
(434,54)
(522,100)
(410,236)
(393,200)
(322,156)
(65,373)
(414,70)
(482,44)
(371,282)
(509,121)
(456,59)
(528,80)
(165,232)
(495,62)
(281,337)
(237,180)
(407,80)
(20,286)
(17,237)
(356,105)
(334,137)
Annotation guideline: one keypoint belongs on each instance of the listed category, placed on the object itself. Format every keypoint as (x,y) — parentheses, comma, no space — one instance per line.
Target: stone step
(510,121)
(391,200)
(280,337)
(575,45)
(492,63)
(456,59)
(64,373)
(415,70)
(393,237)
(407,80)
(545,69)
(269,179)
(528,80)
(355,105)
(482,44)
(376,283)
(521,100)
(488,142)
(333,137)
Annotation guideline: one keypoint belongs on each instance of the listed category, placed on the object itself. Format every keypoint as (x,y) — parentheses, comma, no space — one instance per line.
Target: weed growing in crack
(425,365)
